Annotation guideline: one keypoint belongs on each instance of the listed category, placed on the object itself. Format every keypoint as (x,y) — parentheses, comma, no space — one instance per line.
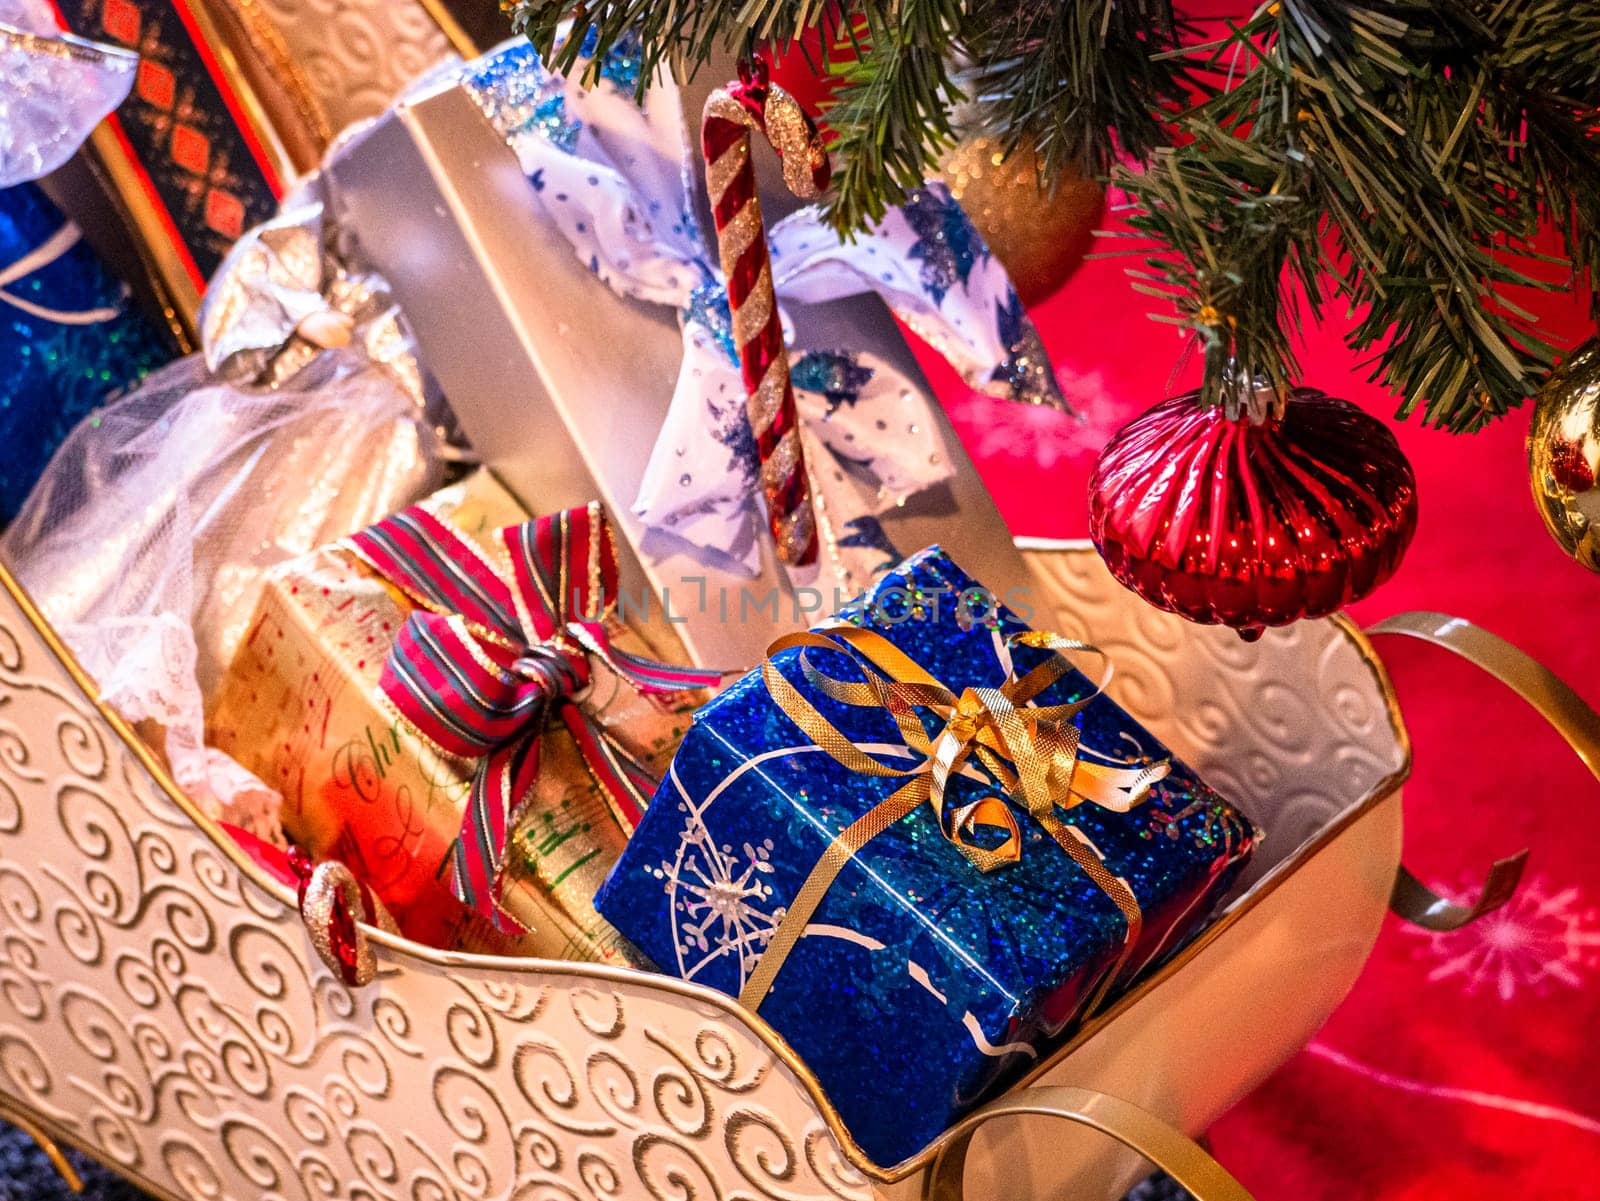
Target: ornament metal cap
(1247,394)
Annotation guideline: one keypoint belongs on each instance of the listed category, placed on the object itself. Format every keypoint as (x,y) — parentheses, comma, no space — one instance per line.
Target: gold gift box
(301,707)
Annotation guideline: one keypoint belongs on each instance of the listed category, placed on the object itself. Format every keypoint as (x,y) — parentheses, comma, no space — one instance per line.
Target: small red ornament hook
(301,865)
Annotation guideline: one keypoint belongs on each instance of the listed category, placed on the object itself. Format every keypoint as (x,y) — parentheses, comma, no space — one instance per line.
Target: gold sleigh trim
(402,951)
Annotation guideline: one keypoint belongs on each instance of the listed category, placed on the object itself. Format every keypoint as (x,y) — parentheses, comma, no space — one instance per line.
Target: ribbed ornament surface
(1250,525)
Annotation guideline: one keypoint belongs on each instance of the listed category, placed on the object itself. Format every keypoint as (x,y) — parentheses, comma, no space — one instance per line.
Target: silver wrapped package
(544,242)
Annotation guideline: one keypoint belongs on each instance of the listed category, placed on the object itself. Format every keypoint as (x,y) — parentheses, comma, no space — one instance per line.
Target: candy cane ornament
(732,115)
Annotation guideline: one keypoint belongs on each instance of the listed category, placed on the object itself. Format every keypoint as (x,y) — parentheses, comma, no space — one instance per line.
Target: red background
(1461,1066)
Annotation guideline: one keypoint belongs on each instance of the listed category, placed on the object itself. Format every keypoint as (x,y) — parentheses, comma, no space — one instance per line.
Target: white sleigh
(161,1007)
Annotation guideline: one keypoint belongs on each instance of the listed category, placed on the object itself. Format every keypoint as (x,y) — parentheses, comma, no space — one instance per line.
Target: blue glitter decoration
(1026,372)
(947,243)
(68,338)
(921,985)
(837,375)
(623,62)
(708,307)
(549,117)
(521,98)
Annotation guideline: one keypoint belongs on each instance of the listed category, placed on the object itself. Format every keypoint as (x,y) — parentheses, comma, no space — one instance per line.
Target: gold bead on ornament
(1040,235)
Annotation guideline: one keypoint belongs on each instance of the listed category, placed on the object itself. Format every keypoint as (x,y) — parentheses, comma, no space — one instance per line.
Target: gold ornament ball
(1564,455)
(1039,235)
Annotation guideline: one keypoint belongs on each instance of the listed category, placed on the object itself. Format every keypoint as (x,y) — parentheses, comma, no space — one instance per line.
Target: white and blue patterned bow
(611,174)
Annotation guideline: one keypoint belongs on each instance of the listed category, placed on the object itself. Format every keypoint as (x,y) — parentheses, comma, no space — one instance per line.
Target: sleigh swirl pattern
(162,1010)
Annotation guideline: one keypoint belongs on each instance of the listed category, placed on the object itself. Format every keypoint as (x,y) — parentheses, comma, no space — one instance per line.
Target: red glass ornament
(1226,520)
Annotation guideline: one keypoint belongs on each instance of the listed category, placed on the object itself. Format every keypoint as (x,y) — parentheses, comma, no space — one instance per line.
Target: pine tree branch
(1398,157)
(892,109)
(1058,76)
(1422,150)
(1077,80)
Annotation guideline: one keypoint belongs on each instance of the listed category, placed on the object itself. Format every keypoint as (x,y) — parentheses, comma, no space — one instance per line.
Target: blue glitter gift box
(69,337)
(920,983)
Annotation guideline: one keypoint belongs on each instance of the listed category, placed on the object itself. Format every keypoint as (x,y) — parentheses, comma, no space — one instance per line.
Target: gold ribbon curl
(1030,750)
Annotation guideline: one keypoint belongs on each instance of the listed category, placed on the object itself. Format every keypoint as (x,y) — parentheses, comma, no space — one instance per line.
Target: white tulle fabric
(54,89)
(146,540)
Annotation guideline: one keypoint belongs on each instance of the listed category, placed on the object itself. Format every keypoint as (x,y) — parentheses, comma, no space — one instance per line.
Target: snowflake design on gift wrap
(1026,375)
(719,898)
(1542,939)
(947,244)
(837,375)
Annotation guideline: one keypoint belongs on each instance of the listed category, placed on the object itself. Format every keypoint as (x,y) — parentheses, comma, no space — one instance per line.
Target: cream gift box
(563,385)
(302,707)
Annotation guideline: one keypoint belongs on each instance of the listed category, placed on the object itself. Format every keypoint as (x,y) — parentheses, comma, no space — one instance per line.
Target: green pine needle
(1398,158)
(1076,80)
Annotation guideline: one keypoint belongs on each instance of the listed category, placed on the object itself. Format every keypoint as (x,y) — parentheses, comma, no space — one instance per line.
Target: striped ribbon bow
(495,652)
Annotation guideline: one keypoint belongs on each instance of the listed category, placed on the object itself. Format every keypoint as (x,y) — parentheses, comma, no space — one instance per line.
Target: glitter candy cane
(732,114)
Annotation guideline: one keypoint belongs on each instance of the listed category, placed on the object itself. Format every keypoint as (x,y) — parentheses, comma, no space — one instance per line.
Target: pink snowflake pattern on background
(1541,940)
(993,428)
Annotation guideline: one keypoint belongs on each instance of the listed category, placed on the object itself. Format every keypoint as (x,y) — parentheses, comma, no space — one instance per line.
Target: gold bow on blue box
(920,844)
(1030,751)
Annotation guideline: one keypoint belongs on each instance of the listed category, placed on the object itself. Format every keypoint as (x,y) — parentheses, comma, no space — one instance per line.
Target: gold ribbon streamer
(1030,750)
